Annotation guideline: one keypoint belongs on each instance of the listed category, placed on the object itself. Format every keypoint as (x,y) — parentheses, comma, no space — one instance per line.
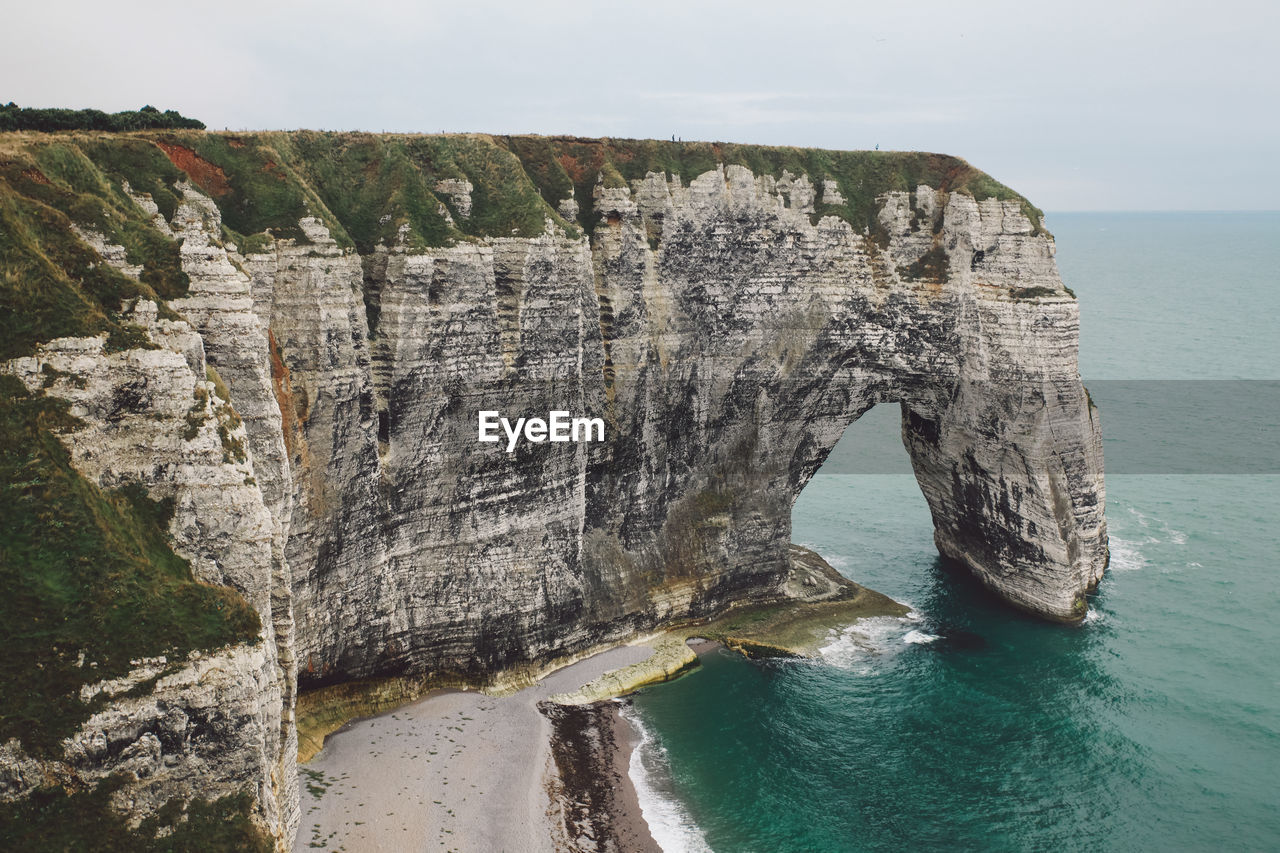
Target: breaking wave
(1137,531)
(669,823)
(860,645)
(1126,556)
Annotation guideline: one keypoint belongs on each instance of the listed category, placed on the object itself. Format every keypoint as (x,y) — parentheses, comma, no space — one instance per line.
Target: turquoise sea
(1155,725)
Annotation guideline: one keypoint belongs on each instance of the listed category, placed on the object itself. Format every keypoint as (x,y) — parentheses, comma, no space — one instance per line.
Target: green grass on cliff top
(51,283)
(557,163)
(369,189)
(85,572)
(366,186)
(374,184)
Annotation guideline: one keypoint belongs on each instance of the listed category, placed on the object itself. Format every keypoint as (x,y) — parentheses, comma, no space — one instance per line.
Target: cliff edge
(285,340)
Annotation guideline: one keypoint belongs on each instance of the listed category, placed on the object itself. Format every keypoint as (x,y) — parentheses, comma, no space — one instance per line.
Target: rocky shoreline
(547,751)
(593,795)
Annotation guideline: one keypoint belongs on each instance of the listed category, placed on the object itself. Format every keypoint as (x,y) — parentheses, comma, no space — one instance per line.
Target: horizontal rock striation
(726,362)
(727,324)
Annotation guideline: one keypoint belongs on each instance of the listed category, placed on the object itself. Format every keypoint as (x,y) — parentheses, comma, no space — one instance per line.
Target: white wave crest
(918,638)
(1126,556)
(669,822)
(839,562)
(1155,525)
(860,645)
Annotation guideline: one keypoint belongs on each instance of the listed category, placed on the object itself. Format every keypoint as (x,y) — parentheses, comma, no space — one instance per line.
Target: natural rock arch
(799,329)
(727,356)
(728,329)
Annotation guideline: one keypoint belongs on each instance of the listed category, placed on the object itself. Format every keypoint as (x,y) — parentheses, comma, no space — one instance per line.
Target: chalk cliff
(727,310)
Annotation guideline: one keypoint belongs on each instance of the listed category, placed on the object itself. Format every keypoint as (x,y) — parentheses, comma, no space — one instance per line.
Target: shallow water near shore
(1155,725)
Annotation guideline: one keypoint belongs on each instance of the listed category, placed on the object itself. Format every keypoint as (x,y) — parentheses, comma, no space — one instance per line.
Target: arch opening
(863,512)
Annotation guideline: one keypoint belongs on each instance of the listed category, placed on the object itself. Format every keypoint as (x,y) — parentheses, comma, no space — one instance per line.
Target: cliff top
(517,181)
(425,189)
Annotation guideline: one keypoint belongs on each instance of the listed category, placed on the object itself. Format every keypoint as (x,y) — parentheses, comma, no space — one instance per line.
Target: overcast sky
(1115,105)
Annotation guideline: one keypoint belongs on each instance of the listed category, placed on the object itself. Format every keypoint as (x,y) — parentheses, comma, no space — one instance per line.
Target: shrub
(14,117)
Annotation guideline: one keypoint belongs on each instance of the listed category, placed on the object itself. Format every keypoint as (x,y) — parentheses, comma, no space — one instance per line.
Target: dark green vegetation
(51,819)
(233,449)
(85,572)
(374,184)
(14,117)
(254,191)
(51,283)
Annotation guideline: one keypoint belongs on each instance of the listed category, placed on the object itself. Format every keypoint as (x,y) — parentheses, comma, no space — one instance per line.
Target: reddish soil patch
(234,142)
(207,176)
(584,163)
(953,173)
(35,176)
(283,388)
(572,167)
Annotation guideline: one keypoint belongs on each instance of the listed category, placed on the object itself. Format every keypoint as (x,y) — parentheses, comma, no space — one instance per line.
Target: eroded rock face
(725,334)
(220,722)
(726,362)
(214,723)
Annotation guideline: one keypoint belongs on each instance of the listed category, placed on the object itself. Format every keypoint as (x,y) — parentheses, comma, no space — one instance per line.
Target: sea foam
(858,646)
(669,823)
(1151,526)
(1126,556)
